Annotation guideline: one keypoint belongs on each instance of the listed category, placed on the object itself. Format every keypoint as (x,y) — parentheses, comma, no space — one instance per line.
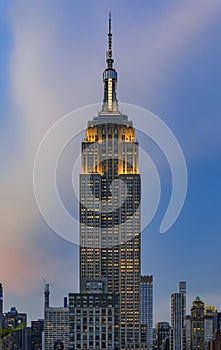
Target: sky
(167,54)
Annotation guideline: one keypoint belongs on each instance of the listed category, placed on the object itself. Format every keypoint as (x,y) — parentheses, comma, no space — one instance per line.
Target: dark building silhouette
(215,344)
(218,325)
(187,325)
(37,328)
(146,310)
(46,295)
(162,335)
(197,324)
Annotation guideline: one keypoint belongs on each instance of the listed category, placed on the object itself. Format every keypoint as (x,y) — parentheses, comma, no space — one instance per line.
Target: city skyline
(176,248)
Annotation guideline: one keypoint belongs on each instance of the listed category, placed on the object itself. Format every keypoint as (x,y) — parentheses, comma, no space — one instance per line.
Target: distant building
(210,324)
(94,321)
(19,338)
(182,290)
(197,324)
(162,335)
(56,327)
(37,329)
(187,325)
(146,310)
(215,344)
(178,312)
(46,295)
(218,325)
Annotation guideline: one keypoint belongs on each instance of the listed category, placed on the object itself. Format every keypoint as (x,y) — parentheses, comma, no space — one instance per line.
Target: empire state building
(110,193)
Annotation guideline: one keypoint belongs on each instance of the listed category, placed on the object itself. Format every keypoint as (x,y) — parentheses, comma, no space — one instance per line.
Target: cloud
(156,47)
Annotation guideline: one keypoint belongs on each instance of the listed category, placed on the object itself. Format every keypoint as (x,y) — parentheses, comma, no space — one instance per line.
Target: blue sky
(167,55)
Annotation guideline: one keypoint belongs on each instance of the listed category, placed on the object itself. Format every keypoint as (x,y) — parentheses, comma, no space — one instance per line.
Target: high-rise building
(56,325)
(178,312)
(210,324)
(94,321)
(208,330)
(56,328)
(197,324)
(187,325)
(109,207)
(37,329)
(162,335)
(146,310)
(182,290)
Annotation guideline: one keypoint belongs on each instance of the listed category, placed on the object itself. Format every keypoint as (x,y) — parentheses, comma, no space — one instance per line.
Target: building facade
(94,321)
(56,328)
(146,310)
(162,335)
(178,312)
(110,206)
(218,322)
(208,330)
(187,325)
(197,324)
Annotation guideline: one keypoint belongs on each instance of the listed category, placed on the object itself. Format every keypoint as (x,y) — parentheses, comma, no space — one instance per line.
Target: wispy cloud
(156,49)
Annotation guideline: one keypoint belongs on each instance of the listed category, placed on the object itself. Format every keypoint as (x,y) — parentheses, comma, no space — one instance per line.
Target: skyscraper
(182,290)
(197,324)
(146,310)
(210,324)
(178,312)
(109,207)
(187,324)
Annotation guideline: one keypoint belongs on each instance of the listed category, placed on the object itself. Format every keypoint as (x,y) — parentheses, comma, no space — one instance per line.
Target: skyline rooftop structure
(110,103)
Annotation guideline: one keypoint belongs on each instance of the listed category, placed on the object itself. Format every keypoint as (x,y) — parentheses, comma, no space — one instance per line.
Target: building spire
(46,294)
(110,77)
(109,52)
